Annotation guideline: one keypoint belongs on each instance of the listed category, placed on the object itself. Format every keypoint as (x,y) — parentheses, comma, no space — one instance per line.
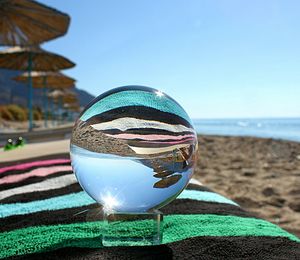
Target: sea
(276,128)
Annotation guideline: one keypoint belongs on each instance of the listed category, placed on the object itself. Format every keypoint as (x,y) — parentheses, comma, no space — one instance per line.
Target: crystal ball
(133,149)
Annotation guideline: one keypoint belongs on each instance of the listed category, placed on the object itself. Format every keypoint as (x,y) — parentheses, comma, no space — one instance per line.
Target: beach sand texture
(262,175)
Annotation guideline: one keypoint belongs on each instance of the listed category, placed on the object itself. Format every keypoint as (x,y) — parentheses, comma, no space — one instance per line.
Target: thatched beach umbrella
(44,80)
(51,79)
(56,97)
(71,103)
(55,94)
(32,58)
(72,108)
(70,97)
(24,22)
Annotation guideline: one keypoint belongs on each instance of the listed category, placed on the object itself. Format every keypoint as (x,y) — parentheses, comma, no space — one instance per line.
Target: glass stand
(132,229)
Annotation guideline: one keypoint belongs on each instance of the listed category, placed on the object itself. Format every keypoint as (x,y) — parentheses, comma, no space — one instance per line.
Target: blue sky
(218,59)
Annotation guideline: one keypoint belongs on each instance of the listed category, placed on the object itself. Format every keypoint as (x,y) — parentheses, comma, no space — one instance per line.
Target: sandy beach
(262,175)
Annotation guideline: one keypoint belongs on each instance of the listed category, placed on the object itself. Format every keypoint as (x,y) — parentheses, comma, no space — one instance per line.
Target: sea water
(277,128)
(123,184)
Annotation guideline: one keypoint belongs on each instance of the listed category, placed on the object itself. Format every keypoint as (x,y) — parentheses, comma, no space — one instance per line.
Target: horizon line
(229,118)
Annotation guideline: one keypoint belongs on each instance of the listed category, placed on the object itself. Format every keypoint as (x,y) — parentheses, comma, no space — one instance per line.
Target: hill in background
(13,92)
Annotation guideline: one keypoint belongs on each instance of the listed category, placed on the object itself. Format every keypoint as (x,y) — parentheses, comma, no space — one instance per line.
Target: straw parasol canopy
(63,95)
(55,94)
(27,22)
(49,79)
(45,80)
(33,58)
(72,107)
(70,100)
(70,97)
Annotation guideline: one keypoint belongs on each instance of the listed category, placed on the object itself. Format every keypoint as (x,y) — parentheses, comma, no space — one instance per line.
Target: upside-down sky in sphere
(218,59)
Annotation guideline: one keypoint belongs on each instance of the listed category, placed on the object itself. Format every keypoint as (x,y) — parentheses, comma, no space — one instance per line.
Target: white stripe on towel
(49,184)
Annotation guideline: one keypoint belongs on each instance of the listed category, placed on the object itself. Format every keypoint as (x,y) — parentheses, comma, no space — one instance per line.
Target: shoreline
(295,140)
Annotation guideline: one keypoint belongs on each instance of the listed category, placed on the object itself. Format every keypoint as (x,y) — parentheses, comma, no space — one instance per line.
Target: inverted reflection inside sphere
(133,149)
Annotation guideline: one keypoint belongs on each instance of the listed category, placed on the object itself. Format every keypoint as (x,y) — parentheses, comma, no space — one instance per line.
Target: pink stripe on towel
(40,172)
(25,166)
(170,143)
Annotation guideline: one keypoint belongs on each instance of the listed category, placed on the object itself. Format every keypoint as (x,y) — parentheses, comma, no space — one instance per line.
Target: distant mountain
(12,91)
(84,97)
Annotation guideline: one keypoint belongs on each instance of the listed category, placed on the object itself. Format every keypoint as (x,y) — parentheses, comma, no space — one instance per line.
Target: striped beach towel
(44,214)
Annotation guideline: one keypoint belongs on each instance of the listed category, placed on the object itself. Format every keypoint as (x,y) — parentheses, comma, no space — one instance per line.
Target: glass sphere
(133,149)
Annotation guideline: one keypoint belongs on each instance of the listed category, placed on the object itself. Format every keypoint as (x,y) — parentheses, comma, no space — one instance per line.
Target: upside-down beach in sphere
(133,149)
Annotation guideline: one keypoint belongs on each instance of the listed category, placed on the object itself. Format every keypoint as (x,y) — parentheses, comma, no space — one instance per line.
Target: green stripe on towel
(176,227)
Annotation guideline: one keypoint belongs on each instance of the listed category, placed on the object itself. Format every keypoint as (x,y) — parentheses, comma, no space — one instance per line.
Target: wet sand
(262,175)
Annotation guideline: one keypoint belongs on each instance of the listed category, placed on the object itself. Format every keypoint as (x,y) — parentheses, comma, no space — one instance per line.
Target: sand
(262,175)
(35,150)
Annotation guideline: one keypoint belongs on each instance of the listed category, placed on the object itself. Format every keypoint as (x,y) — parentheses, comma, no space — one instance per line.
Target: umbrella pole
(61,110)
(52,111)
(30,92)
(45,99)
(56,106)
(69,115)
